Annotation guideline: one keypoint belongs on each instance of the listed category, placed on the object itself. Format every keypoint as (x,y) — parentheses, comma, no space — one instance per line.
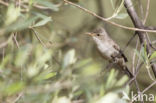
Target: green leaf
(6,59)
(21,24)
(48,4)
(83,63)
(74,1)
(12,14)
(43,22)
(91,69)
(122,81)
(145,53)
(22,56)
(111,79)
(121,16)
(14,88)
(69,58)
(153,55)
(112,4)
(139,55)
(50,75)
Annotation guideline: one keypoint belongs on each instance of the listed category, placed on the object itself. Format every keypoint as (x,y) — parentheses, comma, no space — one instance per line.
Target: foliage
(45,61)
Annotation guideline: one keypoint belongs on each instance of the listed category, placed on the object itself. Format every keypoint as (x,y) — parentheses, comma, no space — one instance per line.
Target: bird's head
(98,35)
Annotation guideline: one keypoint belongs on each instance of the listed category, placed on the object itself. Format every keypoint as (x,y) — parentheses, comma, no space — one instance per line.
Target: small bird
(109,49)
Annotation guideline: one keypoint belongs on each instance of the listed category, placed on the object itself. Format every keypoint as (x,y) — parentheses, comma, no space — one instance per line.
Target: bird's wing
(120,52)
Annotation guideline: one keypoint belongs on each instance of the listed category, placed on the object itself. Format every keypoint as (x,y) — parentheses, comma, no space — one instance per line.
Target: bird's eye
(98,34)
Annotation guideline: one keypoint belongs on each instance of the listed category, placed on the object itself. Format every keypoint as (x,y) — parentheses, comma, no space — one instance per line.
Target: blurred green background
(45,56)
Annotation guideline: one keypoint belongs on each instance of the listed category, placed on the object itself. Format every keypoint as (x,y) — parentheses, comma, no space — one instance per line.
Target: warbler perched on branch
(110,49)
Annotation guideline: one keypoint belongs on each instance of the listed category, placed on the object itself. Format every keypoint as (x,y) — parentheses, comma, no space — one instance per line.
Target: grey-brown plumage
(109,49)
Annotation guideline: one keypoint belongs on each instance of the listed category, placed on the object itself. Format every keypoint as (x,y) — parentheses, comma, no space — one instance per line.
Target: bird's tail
(126,70)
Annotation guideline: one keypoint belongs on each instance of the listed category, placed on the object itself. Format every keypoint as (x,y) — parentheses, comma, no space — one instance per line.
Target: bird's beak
(91,34)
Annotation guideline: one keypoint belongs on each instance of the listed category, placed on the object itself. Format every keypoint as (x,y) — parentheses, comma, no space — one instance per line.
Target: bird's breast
(106,49)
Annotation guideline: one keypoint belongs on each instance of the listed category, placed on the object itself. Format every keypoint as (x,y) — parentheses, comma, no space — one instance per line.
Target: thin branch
(15,40)
(3,54)
(154,42)
(150,86)
(149,73)
(141,9)
(4,44)
(37,36)
(130,40)
(147,11)
(105,20)
(137,23)
(4,3)
(134,57)
(18,97)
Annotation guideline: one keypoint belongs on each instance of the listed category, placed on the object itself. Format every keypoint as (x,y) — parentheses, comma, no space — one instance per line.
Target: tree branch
(138,24)
(107,21)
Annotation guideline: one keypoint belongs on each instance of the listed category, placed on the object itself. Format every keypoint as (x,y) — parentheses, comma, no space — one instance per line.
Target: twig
(4,44)
(154,42)
(134,57)
(105,20)
(149,73)
(154,83)
(130,40)
(141,9)
(15,40)
(19,96)
(137,23)
(36,34)
(147,11)
(3,54)
(4,3)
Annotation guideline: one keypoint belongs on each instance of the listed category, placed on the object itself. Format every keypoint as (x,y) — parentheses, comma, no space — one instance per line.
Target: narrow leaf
(43,22)
(48,4)
(153,55)
(121,16)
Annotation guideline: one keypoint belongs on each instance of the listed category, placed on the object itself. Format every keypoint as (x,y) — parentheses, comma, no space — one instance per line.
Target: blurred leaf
(145,53)
(122,81)
(118,8)
(153,55)
(83,62)
(5,61)
(14,88)
(139,55)
(31,2)
(40,15)
(62,99)
(32,70)
(119,5)
(91,69)
(42,22)
(125,96)
(21,24)
(74,1)
(121,16)
(112,3)
(22,56)
(12,14)
(45,56)
(102,90)
(111,79)
(111,97)
(42,55)
(48,4)
(50,75)
(44,75)
(69,58)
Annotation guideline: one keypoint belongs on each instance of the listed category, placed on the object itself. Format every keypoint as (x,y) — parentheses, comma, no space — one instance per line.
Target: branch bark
(139,24)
